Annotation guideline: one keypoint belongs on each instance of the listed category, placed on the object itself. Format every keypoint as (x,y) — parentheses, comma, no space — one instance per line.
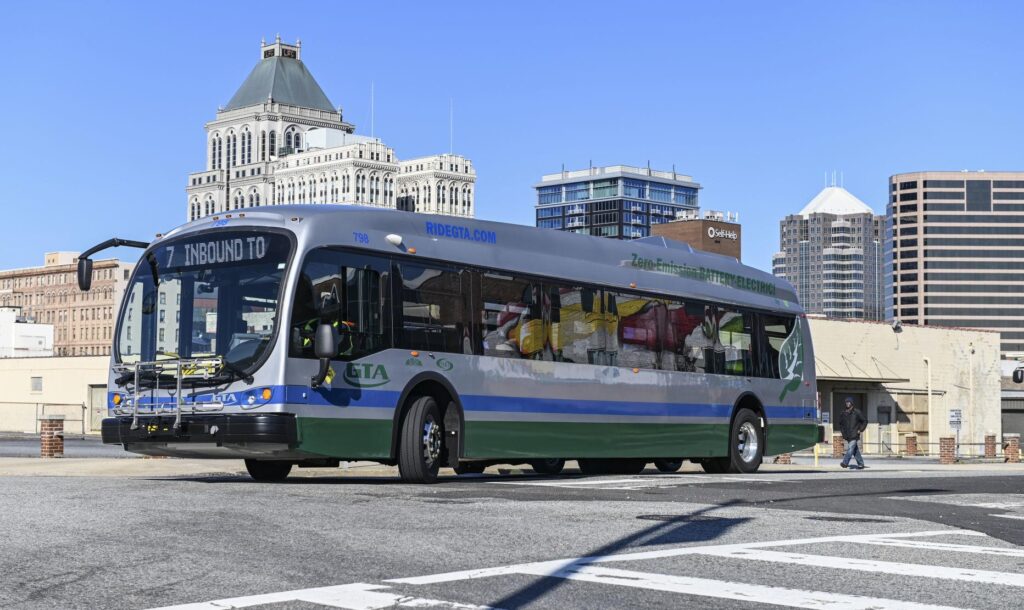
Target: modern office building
(709,231)
(83,322)
(831,252)
(617,201)
(954,250)
(280,140)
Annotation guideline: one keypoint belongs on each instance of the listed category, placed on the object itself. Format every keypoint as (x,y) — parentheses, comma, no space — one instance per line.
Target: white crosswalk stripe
(720,589)
(638,482)
(355,596)
(597,570)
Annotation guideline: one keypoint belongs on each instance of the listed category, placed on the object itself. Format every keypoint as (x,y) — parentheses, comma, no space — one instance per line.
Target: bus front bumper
(219,430)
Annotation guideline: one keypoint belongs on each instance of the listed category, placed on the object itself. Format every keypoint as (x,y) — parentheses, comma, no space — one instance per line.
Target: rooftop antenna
(371,109)
(451,125)
(842,182)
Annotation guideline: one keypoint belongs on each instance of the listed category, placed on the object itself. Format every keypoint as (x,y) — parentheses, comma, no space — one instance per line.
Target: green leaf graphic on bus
(791,360)
(365,375)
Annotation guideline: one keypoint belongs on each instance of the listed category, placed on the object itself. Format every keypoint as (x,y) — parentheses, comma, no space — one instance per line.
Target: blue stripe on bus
(387,399)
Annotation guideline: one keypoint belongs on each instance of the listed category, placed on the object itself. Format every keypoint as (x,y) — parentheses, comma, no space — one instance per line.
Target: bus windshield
(208,295)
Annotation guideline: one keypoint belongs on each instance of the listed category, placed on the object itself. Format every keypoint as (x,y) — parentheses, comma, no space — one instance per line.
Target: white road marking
(638,482)
(945,546)
(869,565)
(560,564)
(355,596)
(782,596)
(1008,516)
(362,596)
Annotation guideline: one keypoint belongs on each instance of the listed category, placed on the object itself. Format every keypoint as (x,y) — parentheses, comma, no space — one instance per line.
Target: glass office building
(617,201)
(955,252)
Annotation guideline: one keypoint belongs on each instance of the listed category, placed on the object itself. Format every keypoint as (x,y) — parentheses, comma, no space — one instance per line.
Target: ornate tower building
(279,141)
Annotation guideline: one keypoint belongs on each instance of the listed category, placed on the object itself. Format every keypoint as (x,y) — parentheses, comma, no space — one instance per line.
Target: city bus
(304,336)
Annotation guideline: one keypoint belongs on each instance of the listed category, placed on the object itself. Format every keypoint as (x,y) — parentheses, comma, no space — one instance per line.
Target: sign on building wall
(956,418)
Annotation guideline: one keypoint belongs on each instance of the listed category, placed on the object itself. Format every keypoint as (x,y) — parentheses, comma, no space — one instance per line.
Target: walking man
(851,424)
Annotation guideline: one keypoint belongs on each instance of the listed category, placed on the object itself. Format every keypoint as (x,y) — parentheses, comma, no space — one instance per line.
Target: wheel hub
(431,441)
(747,443)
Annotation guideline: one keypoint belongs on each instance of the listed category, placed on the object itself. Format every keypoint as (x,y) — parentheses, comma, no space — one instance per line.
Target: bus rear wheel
(667,465)
(422,438)
(746,449)
(551,466)
(266,471)
(746,446)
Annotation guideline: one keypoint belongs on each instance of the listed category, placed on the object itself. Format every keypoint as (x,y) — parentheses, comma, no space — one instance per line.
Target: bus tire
(668,465)
(715,465)
(470,468)
(746,443)
(266,471)
(422,440)
(550,466)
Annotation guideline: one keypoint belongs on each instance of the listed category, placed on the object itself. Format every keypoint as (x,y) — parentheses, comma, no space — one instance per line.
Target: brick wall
(51,436)
(947,450)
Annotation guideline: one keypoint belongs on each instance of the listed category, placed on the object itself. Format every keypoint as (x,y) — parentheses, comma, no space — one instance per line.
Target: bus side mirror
(1018,375)
(84,274)
(325,346)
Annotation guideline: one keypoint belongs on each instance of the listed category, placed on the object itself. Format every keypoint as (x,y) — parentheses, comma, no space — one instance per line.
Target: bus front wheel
(667,465)
(419,455)
(266,471)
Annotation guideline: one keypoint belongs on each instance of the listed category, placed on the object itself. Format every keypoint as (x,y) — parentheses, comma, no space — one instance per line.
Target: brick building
(709,231)
(83,322)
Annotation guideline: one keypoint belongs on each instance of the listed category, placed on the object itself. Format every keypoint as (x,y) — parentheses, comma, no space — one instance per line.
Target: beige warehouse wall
(965,370)
(65,387)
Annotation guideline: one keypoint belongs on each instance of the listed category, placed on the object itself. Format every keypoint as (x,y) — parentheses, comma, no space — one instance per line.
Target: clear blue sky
(104,106)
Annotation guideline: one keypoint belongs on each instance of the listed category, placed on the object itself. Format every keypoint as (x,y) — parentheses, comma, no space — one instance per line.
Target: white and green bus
(309,335)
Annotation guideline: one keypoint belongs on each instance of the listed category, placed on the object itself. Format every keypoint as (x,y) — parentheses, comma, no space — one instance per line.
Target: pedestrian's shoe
(841,465)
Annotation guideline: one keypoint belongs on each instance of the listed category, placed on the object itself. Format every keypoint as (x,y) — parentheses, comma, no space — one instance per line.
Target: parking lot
(795,536)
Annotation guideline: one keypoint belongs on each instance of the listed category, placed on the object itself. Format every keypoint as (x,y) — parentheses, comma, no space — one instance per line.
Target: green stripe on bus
(345,438)
(371,439)
(485,440)
(786,438)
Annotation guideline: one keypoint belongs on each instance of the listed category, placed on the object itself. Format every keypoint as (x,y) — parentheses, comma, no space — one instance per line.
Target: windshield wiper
(151,259)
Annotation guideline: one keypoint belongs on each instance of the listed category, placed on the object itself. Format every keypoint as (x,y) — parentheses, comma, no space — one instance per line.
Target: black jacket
(851,424)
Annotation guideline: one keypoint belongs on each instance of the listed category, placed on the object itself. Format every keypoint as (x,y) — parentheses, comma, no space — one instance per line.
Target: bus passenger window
(642,331)
(734,333)
(509,321)
(776,330)
(694,336)
(433,311)
(578,329)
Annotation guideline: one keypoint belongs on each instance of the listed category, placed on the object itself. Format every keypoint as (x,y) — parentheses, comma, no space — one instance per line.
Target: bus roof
(652,264)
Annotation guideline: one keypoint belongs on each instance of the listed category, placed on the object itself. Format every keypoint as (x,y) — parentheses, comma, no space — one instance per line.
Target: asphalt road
(833,539)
